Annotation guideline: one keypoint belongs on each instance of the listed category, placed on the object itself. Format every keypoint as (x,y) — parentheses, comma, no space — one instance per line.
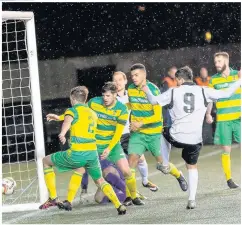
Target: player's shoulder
(131,86)
(79,108)
(233,72)
(97,100)
(121,106)
(93,114)
(216,75)
(153,88)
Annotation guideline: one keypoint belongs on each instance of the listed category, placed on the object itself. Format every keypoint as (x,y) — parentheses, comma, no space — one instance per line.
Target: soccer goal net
(22,126)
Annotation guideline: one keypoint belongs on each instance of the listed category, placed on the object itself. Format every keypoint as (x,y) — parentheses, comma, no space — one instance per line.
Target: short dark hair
(137,66)
(185,73)
(79,93)
(109,86)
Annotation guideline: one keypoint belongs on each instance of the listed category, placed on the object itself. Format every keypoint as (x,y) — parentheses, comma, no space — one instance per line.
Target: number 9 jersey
(187,106)
(83,128)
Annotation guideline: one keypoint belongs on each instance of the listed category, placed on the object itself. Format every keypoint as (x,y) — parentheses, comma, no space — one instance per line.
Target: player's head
(172,71)
(203,73)
(109,93)
(78,95)
(120,79)
(138,74)
(184,74)
(221,61)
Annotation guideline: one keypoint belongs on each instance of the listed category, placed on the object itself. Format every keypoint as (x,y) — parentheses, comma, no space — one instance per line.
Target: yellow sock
(50,181)
(131,184)
(174,171)
(127,192)
(74,185)
(109,192)
(226,165)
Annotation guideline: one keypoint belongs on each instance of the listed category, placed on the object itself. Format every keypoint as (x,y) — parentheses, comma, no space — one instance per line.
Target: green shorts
(70,160)
(116,153)
(226,131)
(138,143)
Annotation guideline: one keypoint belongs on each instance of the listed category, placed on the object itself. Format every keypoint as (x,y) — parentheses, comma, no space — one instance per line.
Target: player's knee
(80,170)
(142,159)
(108,170)
(46,161)
(99,182)
(133,160)
(99,196)
(191,166)
(226,149)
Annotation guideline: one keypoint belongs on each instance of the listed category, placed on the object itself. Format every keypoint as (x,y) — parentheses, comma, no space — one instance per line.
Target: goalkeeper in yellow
(82,122)
(228,112)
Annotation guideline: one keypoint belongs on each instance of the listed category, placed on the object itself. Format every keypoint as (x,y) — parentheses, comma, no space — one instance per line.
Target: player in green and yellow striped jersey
(228,112)
(146,124)
(82,122)
(112,117)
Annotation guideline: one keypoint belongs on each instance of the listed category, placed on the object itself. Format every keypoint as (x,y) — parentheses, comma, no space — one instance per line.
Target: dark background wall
(83,43)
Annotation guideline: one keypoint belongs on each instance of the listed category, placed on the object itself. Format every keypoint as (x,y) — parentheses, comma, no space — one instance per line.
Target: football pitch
(216,203)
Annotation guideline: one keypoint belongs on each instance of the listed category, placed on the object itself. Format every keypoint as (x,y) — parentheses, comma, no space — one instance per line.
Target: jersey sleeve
(161,99)
(69,112)
(213,95)
(121,121)
(210,84)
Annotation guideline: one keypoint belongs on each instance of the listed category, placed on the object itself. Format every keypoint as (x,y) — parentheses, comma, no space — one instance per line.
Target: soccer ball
(8,186)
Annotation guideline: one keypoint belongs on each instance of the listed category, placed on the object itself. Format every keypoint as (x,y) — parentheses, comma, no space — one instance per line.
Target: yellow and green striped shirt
(142,111)
(227,108)
(83,128)
(110,123)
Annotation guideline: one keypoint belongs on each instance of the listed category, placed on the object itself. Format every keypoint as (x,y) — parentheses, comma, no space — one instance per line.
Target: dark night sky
(82,29)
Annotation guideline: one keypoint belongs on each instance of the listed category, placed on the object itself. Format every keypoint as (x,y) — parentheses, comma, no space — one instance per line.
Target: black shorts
(125,142)
(190,153)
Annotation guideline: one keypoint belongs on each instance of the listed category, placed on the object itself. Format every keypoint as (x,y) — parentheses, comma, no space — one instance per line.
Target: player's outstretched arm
(162,99)
(209,118)
(213,94)
(52,116)
(65,127)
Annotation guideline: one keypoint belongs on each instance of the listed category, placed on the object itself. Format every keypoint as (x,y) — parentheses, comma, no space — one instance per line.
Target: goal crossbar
(14,15)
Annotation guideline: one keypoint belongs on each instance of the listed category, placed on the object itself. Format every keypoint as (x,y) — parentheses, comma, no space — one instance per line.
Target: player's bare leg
(226,164)
(192,184)
(143,169)
(129,175)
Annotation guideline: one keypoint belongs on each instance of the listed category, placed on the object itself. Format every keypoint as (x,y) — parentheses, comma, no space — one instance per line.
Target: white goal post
(23,139)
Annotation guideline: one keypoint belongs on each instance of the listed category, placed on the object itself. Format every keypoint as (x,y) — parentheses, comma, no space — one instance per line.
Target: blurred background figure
(169,80)
(203,79)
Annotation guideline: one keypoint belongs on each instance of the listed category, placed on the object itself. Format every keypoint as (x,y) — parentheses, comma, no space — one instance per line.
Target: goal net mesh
(18,138)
